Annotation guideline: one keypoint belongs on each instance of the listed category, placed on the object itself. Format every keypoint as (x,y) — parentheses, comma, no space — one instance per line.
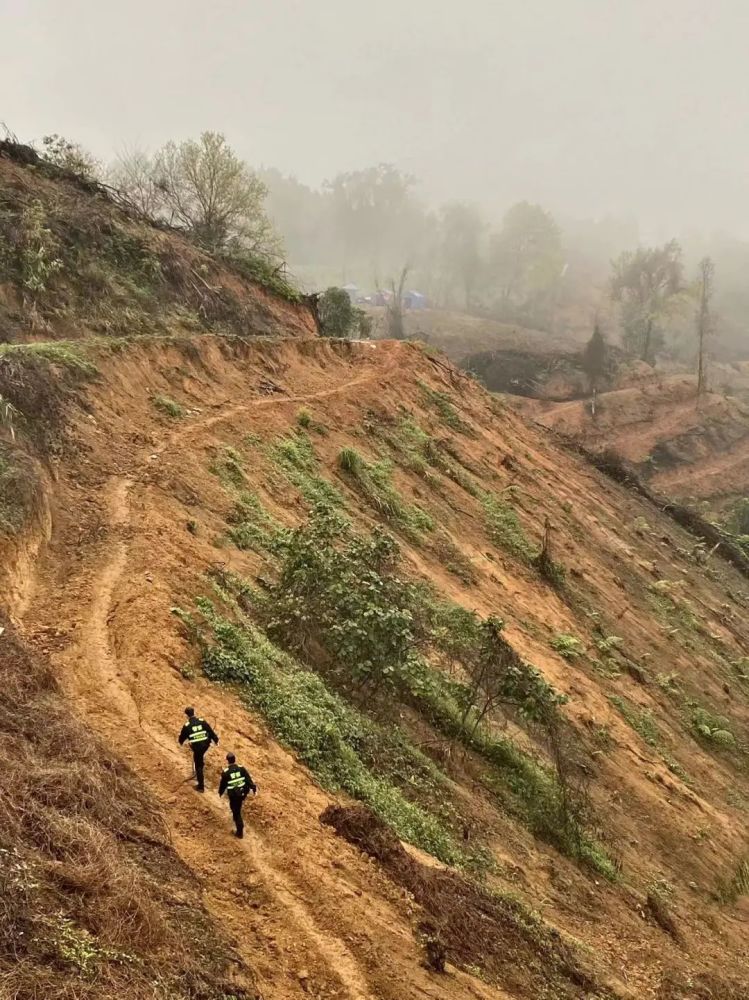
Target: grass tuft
(295,457)
(374,482)
(505,529)
(168,406)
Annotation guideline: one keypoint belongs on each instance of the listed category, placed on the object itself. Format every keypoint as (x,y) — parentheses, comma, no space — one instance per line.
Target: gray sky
(587,106)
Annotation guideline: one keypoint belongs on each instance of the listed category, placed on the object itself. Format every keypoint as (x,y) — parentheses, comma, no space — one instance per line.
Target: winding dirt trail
(307,912)
(108,686)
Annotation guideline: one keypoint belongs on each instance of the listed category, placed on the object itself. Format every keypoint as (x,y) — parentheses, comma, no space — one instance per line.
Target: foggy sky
(587,106)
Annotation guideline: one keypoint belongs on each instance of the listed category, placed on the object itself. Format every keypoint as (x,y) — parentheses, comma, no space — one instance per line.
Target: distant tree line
(370,226)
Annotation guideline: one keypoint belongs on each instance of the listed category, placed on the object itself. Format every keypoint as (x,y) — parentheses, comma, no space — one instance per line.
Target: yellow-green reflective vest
(236,780)
(197,732)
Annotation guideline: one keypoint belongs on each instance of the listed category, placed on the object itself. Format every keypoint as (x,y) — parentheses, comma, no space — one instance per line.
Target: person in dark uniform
(199,735)
(237,782)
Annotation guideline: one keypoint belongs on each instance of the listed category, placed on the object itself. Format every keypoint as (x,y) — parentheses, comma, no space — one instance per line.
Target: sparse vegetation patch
(440,401)
(504,527)
(295,456)
(374,482)
(168,407)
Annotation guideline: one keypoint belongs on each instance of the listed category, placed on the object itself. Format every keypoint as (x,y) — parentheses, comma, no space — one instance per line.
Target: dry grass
(93,901)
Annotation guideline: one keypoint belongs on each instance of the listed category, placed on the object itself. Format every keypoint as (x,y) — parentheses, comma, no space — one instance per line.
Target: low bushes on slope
(70,254)
(339,604)
(93,902)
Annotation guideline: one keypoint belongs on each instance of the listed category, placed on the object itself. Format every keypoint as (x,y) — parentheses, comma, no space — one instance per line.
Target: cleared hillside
(179,465)
(495,701)
(690,448)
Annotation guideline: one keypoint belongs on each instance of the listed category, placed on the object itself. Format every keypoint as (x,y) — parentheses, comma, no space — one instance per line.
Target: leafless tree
(134,174)
(704,319)
(395,325)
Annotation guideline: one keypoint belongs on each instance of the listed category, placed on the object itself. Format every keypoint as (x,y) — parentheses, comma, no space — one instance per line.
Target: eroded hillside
(692,448)
(560,741)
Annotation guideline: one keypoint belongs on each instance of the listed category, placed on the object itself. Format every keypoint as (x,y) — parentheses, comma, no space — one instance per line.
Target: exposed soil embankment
(167,448)
(688,447)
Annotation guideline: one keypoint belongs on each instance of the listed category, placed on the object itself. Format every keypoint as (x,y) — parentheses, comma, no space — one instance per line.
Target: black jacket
(197,725)
(232,773)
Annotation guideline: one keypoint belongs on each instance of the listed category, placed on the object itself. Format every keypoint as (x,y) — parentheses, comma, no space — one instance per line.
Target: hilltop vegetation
(74,262)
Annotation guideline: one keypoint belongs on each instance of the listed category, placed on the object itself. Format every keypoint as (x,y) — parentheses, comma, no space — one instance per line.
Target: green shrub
(304,419)
(337,317)
(505,529)
(168,406)
(344,749)
(713,729)
(569,647)
(606,643)
(338,590)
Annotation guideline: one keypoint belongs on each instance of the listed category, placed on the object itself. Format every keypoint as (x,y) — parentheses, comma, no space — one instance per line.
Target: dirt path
(294,901)
(237,411)
(107,685)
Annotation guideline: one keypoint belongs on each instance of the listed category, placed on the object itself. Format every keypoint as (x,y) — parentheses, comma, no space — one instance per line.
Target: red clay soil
(688,447)
(136,521)
(83,851)
(474,927)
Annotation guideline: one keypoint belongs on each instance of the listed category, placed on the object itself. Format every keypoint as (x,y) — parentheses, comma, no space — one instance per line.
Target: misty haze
(624,122)
(374,500)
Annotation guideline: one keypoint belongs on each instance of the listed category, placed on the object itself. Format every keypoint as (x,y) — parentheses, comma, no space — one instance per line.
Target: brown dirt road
(306,911)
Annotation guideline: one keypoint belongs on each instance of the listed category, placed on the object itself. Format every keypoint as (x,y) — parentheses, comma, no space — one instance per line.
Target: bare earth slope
(687,447)
(135,519)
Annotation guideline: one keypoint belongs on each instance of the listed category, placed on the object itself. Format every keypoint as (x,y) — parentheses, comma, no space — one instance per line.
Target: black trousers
(236,801)
(198,756)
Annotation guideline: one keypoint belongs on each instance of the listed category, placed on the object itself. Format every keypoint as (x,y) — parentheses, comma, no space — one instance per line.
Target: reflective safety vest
(236,780)
(198,732)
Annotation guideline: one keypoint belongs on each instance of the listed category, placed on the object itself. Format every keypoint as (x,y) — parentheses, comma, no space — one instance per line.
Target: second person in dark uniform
(237,782)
